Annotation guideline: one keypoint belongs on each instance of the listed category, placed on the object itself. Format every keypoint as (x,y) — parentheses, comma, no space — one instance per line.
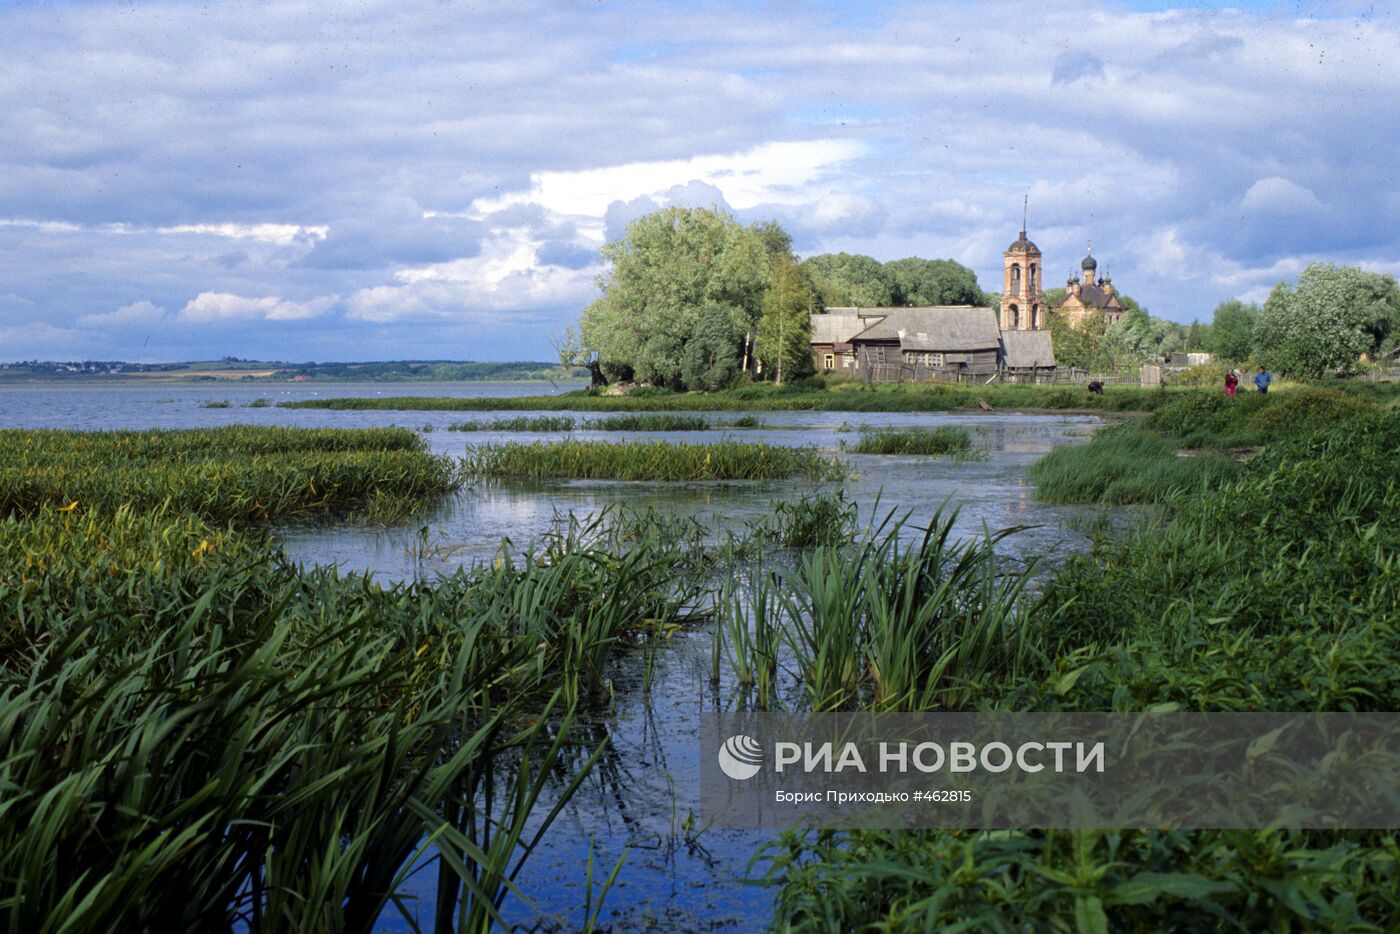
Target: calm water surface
(646,785)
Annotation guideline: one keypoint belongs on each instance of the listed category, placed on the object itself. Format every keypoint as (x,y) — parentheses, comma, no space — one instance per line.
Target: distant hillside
(233,368)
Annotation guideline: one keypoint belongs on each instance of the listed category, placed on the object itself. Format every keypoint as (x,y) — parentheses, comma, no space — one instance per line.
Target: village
(967,343)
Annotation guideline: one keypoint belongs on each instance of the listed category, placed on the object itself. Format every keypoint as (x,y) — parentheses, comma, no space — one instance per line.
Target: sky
(432,180)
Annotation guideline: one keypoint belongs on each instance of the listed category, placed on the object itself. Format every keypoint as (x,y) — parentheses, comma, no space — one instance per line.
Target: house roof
(1027,348)
(941,327)
(835,328)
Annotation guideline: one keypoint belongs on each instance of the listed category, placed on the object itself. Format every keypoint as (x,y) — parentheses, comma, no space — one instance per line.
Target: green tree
(669,267)
(710,360)
(845,280)
(784,342)
(1077,346)
(1232,330)
(1321,327)
(933,282)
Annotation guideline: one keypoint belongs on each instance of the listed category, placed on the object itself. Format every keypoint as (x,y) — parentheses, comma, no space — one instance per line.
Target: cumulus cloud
(178,152)
(210,307)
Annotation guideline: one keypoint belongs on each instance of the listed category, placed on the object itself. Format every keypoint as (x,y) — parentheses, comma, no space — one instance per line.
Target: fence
(918,373)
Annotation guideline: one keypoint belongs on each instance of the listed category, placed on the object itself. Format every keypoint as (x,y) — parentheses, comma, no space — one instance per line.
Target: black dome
(1022,245)
(1089,263)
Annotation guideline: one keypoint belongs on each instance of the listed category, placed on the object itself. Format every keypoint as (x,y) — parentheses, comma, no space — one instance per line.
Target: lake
(639,797)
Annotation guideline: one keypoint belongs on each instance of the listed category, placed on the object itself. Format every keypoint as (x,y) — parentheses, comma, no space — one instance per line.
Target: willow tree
(668,268)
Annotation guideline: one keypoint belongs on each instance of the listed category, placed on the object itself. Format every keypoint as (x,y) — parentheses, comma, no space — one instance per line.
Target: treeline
(1322,326)
(692,299)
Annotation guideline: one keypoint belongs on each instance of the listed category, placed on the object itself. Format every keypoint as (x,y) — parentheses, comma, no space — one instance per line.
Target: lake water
(646,784)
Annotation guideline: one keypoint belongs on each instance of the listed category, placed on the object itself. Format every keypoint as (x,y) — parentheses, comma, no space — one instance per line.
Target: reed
(946,440)
(541,423)
(726,460)
(180,710)
(238,473)
(650,421)
(1128,464)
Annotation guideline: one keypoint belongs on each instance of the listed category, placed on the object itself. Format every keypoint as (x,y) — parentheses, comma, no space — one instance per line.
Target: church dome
(1023,245)
(1089,263)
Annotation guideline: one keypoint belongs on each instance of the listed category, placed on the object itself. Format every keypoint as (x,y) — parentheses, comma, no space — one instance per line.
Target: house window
(828,361)
(933,359)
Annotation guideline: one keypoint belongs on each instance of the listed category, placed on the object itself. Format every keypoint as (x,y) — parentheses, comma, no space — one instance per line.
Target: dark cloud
(394,232)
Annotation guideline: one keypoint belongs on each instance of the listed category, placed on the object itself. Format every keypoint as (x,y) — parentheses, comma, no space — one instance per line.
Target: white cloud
(773,173)
(137,313)
(207,307)
(1279,195)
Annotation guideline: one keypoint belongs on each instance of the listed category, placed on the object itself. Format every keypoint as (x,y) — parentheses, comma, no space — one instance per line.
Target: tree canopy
(1324,324)
(846,279)
(669,268)
(1232,330)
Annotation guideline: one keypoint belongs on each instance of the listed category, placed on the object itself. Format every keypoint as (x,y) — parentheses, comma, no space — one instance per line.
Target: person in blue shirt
(1262,379)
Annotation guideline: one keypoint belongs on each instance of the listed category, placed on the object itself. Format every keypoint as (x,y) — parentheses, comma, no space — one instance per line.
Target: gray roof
(942,327)
(835,328)
(1027,348)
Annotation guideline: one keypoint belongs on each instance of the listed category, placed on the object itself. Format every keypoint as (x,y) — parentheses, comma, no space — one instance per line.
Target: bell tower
(1022,292)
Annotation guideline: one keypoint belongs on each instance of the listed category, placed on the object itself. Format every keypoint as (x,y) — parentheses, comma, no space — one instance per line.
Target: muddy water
(642,797)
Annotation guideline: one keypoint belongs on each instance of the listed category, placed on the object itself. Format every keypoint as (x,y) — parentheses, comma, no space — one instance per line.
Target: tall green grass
(1127,464)
(238,473)
(612,460)
(549,423)
(933,441)
(1275,589)
(194,735)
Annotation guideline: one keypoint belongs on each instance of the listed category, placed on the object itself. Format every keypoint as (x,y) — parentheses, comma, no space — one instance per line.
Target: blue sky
(375,180)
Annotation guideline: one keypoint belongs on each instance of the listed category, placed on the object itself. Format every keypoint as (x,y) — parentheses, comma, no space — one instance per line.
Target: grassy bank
(618,460)
(238,473)
(819,395)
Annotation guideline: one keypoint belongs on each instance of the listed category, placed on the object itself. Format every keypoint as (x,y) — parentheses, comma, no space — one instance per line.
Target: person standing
(1262,379)
(1232,382)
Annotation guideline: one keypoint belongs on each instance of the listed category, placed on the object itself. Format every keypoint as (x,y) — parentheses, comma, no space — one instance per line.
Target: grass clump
(821,519)
(220,404)
(658,460)
(650,421)
(542,423)
(237,473)
(934,441)
(1127,464)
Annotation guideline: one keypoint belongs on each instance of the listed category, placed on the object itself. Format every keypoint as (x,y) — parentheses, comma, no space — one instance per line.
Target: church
(1023,305)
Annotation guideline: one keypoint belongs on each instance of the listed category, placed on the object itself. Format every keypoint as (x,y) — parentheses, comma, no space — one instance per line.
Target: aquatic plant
(238,473)
(542,423)
(943,440)
(650,421)
(1128,464)
(180,710)
(613,460)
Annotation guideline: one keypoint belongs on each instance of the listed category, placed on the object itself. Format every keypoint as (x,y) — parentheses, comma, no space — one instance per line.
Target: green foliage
(1085,881)
(1127,465)
(933,282)
(1232,336)
(522,423)
(656,460)
(1324,325)
(664,277)
(650,421)
(183,712)
(945,440)
(238,473)
(784,342)
(1077,346)
(820,519)
(710,360)
(845,280)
